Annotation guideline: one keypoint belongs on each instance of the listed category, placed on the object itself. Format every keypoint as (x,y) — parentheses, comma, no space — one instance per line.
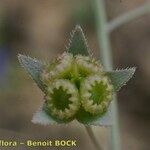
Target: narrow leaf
(120,77)
(40,117)
(77,44)
(34,67)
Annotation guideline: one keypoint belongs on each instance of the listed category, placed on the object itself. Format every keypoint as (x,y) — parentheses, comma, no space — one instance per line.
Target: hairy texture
(75,85)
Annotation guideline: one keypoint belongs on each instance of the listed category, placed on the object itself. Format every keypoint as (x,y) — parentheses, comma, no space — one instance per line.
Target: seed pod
(96,94)
(62,100)
(83,75)
(83,67)
(87,66)
(60,68)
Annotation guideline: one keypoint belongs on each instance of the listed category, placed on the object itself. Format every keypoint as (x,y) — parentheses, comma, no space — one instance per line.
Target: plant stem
(93,138)
(133,14)
(106,57)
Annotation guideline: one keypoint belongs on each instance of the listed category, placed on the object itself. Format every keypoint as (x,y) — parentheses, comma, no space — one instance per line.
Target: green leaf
(120,77)
(34,67)
(40,117)
(77,44)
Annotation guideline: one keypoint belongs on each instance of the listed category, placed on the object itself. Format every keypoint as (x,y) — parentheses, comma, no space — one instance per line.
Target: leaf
(34,67)
(40,117)
(77,43)
(120,77)
(105,120)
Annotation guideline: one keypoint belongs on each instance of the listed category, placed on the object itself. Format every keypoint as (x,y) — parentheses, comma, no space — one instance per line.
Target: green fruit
(76,87)
(62,101)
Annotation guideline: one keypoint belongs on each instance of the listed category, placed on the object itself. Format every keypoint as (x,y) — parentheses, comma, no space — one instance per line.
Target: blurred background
(41,29)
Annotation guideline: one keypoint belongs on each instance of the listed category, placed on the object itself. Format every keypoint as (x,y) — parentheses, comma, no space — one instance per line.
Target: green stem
(125,18)
(106,57)
(93,138)
(103,37)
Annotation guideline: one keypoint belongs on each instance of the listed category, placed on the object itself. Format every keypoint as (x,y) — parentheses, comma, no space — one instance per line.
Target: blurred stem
(133,14)
(106,57)
(93,138)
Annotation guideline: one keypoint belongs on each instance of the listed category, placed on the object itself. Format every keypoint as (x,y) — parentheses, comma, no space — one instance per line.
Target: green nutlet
(76,84)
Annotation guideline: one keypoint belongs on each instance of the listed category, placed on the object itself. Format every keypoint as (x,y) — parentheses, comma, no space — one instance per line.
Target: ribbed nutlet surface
(75,82)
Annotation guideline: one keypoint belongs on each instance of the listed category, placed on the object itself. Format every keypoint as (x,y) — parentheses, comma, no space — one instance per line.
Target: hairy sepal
(119,78)
(34,68)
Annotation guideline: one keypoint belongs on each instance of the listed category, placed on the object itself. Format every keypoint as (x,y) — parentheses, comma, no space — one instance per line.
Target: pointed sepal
(120,77)
(77,43)
(40,117)
(34,67)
